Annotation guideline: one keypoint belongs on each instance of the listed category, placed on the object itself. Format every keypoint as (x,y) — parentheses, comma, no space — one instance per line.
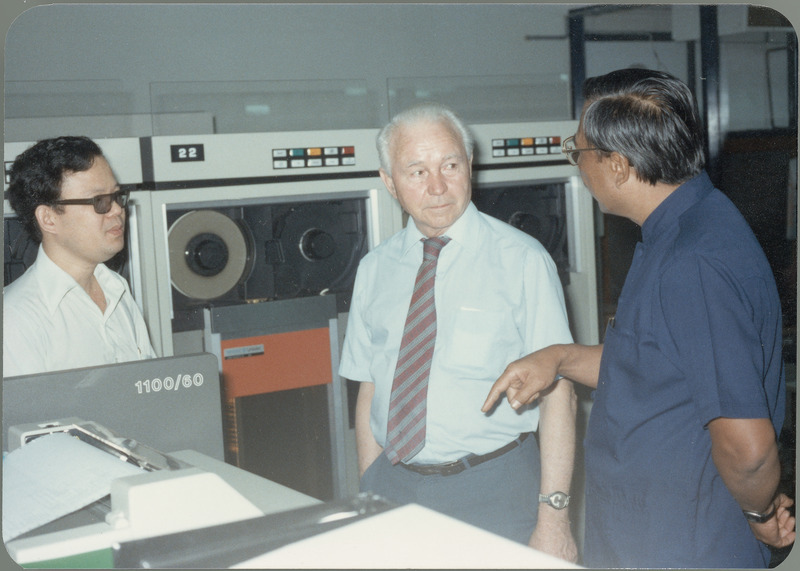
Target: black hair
(649,117)
(37,174)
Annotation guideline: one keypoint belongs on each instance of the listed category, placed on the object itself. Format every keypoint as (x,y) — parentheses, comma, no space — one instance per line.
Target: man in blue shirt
(682,464)
(497,296)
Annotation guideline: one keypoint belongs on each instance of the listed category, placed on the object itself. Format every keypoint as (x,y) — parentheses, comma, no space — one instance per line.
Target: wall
(109,59)
(102,59)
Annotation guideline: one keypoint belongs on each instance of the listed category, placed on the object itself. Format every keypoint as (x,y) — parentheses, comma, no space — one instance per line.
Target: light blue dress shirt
(498,298)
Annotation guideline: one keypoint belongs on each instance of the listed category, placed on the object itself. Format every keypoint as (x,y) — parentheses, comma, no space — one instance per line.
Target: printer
(96,431)
(142,493)
(162,510)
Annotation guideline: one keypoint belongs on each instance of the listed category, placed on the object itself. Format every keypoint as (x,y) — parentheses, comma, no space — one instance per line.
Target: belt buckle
(452,468)
(458,466)
(447,469)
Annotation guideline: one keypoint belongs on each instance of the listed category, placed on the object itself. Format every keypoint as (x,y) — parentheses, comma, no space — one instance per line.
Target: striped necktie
(405,435)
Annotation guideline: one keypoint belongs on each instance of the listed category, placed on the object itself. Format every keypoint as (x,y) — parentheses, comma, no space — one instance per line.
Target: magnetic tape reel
(232,254)
(209,254)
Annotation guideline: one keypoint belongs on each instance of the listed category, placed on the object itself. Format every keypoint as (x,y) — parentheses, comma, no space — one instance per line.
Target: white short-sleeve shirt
(50,323)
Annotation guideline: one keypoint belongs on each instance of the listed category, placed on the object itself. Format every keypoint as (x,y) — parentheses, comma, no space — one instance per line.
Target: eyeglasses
(572,154)
(102,202)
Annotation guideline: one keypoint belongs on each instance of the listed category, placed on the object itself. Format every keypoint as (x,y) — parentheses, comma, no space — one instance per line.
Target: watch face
(559,500)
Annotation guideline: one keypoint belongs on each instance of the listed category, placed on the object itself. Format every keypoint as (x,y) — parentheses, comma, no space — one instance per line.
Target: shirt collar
(56,283)
(679,201)
(463,231)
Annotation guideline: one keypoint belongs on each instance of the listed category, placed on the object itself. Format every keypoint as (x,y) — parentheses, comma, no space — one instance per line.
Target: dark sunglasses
(102,202)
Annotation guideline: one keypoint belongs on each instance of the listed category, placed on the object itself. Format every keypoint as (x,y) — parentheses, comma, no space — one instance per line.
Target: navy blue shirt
(697,336)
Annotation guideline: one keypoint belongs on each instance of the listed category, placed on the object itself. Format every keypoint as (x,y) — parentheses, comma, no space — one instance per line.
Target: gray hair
(433,112)
(649,117)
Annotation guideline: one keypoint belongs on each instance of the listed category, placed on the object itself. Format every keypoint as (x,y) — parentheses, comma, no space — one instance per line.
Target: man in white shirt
(497,294)
(69,310)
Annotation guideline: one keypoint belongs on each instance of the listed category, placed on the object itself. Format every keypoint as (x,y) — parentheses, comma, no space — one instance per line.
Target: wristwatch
(757,517)
(558,500)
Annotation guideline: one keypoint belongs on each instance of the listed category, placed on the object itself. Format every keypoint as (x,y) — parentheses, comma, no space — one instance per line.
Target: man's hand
(527,378)
(554,537)
(524,379)
(778,531)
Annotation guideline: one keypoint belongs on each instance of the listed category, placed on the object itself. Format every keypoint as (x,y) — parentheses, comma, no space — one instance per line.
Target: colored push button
(526,146)
(310,157)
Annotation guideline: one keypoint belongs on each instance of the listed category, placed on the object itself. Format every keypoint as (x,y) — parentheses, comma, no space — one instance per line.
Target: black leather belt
(458,466)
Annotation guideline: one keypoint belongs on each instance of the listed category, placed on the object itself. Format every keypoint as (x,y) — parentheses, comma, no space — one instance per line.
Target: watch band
(757,517)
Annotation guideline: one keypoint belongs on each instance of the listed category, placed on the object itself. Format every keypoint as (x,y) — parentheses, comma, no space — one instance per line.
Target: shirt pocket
(482,343)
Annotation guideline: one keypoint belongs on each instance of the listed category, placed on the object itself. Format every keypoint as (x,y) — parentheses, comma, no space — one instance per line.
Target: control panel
(500,145)
(526,146)
(310,157)
(255,157)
